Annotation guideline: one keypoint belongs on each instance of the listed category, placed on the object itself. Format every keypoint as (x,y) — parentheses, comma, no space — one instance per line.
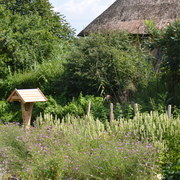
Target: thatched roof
(130,15)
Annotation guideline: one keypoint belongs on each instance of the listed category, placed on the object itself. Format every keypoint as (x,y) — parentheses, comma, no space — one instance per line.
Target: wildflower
(159,176)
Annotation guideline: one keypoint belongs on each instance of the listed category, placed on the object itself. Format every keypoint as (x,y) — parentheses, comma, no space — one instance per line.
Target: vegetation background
(38,48)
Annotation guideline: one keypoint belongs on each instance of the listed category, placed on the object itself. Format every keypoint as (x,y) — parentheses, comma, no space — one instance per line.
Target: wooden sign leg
(26,114)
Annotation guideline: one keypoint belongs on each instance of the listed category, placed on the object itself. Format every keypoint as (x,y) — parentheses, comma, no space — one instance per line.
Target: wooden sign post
(26,114)
(27,98)
(89,108)
(136,111)
(111,112)
(169,111)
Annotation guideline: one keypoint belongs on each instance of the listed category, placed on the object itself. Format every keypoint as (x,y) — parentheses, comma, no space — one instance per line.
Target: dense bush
(30,33)
(104,64)
(166,42)
(10,112)
(44,77)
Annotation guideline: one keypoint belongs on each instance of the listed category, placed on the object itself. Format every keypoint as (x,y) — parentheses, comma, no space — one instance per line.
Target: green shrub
(10,112)
(77,106)
(104,64)
(166,41)
(31,33)
(43,77)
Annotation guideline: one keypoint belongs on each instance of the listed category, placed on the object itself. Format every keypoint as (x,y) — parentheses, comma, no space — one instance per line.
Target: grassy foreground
(84,148)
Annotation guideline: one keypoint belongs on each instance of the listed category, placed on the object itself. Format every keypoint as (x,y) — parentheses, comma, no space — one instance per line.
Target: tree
(30,32)
(106,64)
(42,8)
(167,41)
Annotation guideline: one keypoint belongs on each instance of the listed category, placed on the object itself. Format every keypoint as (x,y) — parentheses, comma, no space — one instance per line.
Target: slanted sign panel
(27,95)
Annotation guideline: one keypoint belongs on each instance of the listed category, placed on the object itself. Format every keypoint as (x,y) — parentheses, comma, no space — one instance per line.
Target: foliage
(154,96)
(59,107)
(155,128)
(159,130)
(43,77)
(34,45)
(171,165)
(76,148)
(43,9)
(106,64)
(166,42)
(30,34)
(124,111)
(78,107)
(9,112)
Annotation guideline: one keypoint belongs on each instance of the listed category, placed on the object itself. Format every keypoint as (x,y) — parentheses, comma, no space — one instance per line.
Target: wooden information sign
(27,97)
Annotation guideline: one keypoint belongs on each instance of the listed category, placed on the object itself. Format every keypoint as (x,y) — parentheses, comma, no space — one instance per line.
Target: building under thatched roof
(130,15)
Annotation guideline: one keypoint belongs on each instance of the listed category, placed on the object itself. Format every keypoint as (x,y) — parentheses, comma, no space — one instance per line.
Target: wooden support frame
(27,114)
(27,98)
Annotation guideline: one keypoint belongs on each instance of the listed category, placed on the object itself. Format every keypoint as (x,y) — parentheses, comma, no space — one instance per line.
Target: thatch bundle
(130,15)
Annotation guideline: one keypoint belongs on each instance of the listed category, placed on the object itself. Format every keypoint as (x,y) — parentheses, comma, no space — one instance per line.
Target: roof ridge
(127,10)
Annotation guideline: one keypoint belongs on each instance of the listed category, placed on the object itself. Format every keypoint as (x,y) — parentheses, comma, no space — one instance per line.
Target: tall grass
(152,127)
(85,148)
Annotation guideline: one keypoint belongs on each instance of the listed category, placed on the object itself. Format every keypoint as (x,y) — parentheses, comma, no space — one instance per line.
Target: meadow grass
(85,148)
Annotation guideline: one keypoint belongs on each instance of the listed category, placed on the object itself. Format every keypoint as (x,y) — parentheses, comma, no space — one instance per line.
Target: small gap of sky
(79,13)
